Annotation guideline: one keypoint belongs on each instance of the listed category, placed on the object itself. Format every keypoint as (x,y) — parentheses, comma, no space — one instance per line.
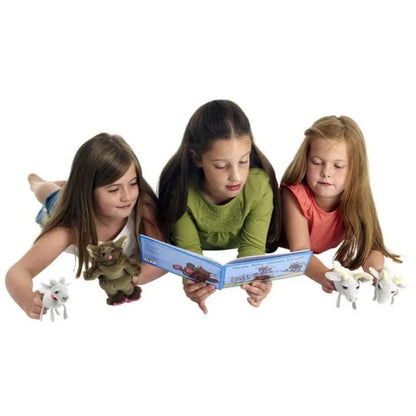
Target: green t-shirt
(241,223)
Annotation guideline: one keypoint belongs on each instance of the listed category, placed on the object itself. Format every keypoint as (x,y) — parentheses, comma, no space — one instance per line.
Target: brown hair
(362,229)
(218,119)
(98,162)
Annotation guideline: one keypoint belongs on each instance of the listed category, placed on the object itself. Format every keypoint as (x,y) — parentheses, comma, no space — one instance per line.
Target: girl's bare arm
(41,254)
(297,234)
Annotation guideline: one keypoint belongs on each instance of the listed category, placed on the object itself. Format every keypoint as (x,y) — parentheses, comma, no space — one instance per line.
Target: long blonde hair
(362,229)
(98,162)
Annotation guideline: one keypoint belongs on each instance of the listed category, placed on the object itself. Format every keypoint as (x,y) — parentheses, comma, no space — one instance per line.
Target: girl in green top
(218,191)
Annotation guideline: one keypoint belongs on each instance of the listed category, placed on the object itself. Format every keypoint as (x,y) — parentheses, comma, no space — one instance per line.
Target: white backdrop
(140,69)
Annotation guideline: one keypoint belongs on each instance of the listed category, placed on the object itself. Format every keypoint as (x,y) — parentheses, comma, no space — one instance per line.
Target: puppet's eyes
(379,286)
(56,292)
(358,286)
(113,250)
(393,292)
(344,287)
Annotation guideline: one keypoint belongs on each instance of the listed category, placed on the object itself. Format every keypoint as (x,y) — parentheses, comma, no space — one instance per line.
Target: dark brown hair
(219,119)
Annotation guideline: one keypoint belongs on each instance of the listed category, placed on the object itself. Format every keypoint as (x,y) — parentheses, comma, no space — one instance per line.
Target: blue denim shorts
(47,208)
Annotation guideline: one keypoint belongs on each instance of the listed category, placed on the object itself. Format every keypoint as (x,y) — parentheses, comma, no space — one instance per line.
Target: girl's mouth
(234,187)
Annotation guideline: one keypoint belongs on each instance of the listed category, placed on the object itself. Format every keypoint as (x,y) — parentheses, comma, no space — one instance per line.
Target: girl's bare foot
(42,188)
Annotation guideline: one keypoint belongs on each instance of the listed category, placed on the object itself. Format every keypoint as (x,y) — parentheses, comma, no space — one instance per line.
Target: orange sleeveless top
(326,229)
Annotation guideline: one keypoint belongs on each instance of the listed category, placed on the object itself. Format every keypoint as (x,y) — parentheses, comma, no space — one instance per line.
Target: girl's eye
(243,162)
(112,190)
(220,167)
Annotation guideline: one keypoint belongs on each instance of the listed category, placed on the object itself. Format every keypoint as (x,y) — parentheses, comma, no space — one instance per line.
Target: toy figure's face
(386,289)
(349,288)
(117,200)
(226,166)
(61,293)
(108,254)
(327,171)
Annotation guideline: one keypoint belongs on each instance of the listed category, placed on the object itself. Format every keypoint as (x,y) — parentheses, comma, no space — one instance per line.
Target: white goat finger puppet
(386,286)
(55,294)
(347,283)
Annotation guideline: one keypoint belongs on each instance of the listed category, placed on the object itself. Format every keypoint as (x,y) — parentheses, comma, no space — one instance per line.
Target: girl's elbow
(15,276)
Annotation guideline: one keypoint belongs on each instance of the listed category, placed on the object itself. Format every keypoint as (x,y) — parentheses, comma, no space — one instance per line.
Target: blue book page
(268,267)
(184,263)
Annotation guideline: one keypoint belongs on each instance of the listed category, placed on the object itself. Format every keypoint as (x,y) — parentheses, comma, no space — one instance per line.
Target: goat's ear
(334,276)
(92,250)
(62,280)
(53,282)
(399,282)
(44,287)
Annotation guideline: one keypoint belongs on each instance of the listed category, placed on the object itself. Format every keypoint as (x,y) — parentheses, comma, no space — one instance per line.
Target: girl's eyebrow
(118,184)
(225,159)
(335,160)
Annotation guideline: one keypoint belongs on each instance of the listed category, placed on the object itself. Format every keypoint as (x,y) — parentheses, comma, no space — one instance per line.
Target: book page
(181,262)
(266,267)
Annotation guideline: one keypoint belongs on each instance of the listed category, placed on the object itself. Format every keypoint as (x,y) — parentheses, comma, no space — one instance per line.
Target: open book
(199,268)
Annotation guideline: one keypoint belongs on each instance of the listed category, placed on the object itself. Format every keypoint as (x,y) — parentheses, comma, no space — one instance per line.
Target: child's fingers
(191,287)
(253,302)
(328,286)
(257,288)
(257,291)
(198,292)
(203,307)
(36,306)
(135,280)
(203,293)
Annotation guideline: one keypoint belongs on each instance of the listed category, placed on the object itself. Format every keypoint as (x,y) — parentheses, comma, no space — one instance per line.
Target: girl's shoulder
(257,180)
(300,191)
(302,194)
(60,236)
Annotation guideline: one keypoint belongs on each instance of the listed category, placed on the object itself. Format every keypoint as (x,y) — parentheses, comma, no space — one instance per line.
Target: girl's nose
(235,174)
(325,171)
(125,195)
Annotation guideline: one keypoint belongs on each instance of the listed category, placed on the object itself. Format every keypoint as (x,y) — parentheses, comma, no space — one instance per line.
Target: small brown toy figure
(114,271)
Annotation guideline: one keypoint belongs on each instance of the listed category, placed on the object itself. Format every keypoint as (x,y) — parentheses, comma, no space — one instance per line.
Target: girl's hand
(34,306)
(257,291)
(327,285)
(198,292)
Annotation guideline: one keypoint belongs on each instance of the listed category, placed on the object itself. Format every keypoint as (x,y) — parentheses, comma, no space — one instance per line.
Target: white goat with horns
(387,285)
(55,294)
(347,283)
